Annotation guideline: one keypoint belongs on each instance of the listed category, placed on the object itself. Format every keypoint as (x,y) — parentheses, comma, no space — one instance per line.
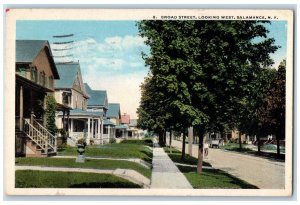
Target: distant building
(133,131)
(98,103)
(82,123)
(125,119)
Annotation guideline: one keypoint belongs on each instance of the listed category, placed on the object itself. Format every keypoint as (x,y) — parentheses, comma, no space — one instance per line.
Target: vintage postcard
(149,102)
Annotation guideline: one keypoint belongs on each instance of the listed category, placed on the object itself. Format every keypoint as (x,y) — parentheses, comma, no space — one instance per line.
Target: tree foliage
(202,73)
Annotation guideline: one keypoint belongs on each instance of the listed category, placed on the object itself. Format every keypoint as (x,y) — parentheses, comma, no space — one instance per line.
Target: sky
(109,53)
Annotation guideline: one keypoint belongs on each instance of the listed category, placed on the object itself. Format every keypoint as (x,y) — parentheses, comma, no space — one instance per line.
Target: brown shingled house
(35,74)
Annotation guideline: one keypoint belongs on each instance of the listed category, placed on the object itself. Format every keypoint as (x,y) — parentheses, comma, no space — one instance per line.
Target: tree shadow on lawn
(222,178)
(176,157)
(105,185)
(149,155)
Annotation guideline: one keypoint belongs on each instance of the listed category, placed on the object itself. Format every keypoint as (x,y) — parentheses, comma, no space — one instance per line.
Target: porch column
(92,128)
(101,131)
(88,132)
(21,108)
(68,121)
(63,120)
(108,131)
(71,130)
(98,129)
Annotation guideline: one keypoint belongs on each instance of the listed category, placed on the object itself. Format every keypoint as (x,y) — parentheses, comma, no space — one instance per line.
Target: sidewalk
(165,174)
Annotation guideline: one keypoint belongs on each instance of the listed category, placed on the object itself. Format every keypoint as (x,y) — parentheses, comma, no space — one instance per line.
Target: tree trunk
(160,140)
(170,141)
(240,141)
(190,140)
(183,147)
(258,144)
(200,151)
(278,146)
(165,138)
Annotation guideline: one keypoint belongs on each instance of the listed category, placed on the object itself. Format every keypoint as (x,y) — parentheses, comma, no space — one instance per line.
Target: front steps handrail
(35,135)
(40,136)
(52,141)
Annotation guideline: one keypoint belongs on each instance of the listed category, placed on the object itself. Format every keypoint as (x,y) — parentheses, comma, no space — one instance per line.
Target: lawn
(90,163)
(49,179)
(175,155)
(213,179)
(209,178)
(125,149)
(265,150)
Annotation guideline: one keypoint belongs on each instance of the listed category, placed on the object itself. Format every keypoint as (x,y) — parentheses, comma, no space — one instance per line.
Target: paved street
(264,173)
(165,172)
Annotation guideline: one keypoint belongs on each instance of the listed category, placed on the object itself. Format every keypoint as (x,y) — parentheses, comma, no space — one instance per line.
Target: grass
(126,149)
(90,163)
(49,179)
(175,155)
(213,179)
(209,178)
(236,148)
(145,141)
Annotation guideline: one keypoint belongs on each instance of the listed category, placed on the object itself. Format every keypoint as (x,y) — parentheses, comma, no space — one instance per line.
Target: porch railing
(52,141)
(40,135)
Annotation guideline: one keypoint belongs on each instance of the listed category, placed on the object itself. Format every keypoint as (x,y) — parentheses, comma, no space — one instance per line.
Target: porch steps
(39,142)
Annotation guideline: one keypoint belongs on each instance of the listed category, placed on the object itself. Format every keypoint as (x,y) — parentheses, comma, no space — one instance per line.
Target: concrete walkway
(165,174)
(136,160)
(128,174)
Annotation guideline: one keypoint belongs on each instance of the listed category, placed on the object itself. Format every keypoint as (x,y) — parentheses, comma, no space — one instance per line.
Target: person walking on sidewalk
(206,149)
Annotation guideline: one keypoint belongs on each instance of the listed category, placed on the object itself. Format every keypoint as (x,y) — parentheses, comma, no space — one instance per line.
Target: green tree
(203,69)
(50,114)
(273,110)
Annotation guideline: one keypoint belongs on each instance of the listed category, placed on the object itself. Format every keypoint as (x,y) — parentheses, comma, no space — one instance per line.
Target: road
(261,172)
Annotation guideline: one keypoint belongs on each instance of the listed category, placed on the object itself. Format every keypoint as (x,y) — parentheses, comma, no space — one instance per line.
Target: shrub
(145,141)
(63,146)
(112,140)
(50,114)
(81,141)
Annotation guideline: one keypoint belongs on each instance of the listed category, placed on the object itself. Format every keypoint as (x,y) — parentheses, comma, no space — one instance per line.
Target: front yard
(125,155)
(49,179)
(126,149)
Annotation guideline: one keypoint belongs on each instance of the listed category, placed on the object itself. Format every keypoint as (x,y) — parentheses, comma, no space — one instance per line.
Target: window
(65,98)
(22,71)
(76,101)
(51,84)
(34,74)
(43,80)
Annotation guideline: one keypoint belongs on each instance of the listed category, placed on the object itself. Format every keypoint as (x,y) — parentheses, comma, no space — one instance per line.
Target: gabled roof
(113,110)
(97,97)
(28,50)
(67,73)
